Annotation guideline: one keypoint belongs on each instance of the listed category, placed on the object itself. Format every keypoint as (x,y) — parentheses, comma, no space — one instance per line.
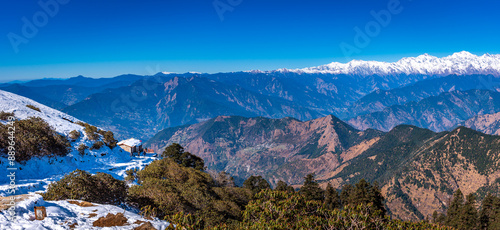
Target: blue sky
(105,38)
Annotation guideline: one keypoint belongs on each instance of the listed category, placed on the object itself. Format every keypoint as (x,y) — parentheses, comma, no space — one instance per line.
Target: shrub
(169,188)
(33,108)
(131,175)
(256,184)
(75,134)
(109,139)
(90,131)
(5,115)
(97,145)
(100,188)
(33,137)
(176,152)
(81,149)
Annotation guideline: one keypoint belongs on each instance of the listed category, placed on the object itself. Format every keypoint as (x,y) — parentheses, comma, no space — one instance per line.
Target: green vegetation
(282,186)
(174,188)
(256,184)
(74,135)
(177,154)
(166,188)
(33,137)
(33,108)
(80,185)
(96,145)
(91,132)
(5,115)
(464,215)
(81,149)
(311,189)
(109,139)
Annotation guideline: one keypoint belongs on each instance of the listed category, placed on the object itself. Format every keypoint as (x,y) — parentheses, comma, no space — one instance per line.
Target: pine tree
(346,194)
(361,193)
(454,210)
(332,198)
(487,212)
(434,216)
(283,186)
(311,189)
(376,198)
(468,214)
(186,159)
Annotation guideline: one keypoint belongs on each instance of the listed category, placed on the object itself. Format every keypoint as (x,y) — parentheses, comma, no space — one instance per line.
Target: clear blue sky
(105,38)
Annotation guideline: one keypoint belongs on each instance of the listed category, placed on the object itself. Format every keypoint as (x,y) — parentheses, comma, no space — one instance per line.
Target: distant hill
(130,112)
(438,113)
(485,123)
(418,169)
(379,99)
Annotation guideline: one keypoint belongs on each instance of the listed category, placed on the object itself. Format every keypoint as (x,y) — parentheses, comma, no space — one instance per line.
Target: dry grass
(4,201)
(92,215)
(111,220)
(145,226)
(81,204)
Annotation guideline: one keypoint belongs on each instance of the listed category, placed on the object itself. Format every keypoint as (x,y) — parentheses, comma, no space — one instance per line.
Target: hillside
(378,100)
(35,174)
(437,113)
(486,123)
(417,168)
(285,149)
(420,170)
(177,101)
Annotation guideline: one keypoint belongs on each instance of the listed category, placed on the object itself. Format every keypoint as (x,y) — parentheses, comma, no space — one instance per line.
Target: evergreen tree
(256,184)
(434,216)
(495,220)
(311,189)
(361,193)
(346,194)
(283,186)
(487,212)
(332,198)
(376,198)
(186,159)
(454,210)
(468,214)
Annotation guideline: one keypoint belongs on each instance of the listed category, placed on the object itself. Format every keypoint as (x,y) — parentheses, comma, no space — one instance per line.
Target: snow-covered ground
(36,174)
(61,214)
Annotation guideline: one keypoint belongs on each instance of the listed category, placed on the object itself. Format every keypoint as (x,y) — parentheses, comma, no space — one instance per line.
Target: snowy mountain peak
(460,63)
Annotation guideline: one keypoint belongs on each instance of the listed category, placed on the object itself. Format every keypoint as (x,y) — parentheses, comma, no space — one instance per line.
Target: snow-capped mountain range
(460,63)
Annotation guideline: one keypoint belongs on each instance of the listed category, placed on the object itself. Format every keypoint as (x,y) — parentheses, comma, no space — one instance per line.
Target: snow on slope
(10,102)
(60,214)
(36,174)
(460,63)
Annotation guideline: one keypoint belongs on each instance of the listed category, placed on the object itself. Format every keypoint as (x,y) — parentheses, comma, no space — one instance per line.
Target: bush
(75,134)
(97,145)
(176,152)
(33,108)
(90,130)
(100,188)
(169,188)
(33,137)
(109,139)
(81,149)
(5,115)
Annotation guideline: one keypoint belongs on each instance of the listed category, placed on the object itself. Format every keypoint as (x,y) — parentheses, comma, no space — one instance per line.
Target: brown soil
(72,226)
(111,220)
(145,226)
(92,215)
(81,204)
(4,201)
